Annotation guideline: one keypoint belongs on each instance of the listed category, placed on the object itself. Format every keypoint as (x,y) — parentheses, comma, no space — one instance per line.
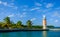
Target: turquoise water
(31,34)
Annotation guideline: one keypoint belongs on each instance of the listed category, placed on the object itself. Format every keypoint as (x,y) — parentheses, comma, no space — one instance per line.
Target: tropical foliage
(29,23)
(8,24)
(19,24)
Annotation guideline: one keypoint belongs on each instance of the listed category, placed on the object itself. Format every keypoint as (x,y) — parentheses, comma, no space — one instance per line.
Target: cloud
(38,4)
(56,21)
(15,7)
(12,6)
(36,8)
(9,5)
(24,9)
(49,5)
(5,3)
(43,11)
(33,19)
(12,15)
(0,2)
(23,15)
(56,14)
(46,10)
(18,15)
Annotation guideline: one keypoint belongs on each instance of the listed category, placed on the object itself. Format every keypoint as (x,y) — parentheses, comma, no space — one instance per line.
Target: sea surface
(31,34)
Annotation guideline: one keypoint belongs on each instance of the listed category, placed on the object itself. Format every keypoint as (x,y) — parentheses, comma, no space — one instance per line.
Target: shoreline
(15,30)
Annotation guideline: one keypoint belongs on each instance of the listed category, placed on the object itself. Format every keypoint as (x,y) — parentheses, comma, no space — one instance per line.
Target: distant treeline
(8,24)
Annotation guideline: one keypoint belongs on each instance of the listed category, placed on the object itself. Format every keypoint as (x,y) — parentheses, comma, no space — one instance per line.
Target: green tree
(13,25)
(1,23)
(19,24)
(7,22)
(29,24)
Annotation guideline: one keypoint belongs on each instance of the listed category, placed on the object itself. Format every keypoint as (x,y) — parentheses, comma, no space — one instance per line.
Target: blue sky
(31,10)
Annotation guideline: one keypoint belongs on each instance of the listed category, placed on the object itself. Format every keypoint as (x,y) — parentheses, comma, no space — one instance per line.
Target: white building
(44,22)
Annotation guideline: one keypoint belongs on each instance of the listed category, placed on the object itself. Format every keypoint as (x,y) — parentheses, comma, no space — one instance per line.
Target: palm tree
(7,22)
(19,24)
(13,25)
(1,23)
(29,24)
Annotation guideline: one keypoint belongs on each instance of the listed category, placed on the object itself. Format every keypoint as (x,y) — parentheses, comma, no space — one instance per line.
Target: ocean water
(31,34)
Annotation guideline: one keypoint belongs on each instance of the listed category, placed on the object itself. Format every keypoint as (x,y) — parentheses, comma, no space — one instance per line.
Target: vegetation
(19,24)
(7,24)
(29,24)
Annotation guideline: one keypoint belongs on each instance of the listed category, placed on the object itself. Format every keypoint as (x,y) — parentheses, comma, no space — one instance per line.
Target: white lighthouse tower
(44,22)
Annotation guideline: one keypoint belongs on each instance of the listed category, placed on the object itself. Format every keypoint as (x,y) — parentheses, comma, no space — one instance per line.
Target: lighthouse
(44,22)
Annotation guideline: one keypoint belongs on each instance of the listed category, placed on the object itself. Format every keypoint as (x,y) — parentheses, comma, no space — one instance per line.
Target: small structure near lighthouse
(44,22)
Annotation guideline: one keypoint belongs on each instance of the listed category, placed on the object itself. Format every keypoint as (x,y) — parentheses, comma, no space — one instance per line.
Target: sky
(33,10)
